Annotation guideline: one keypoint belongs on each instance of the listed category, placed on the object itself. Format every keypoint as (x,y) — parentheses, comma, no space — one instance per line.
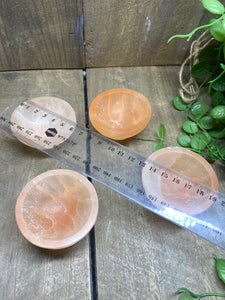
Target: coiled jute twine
(189,90)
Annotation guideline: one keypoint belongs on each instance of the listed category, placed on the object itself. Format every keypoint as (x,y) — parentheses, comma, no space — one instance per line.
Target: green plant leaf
(200,140)
(222,151)
(218,112)
(185,296)
(207,136)
(217,132)
(201,69)
(179,103)
(213,154)
(220,267)
(197,118)
(219,84)
(208,53)
(184,140)
(207,122)
(214,150)
(218,98)
(190,127)
(157,146)
(217,30)
(199,108)
(161,131)
(213,6)
(224,51)
(211,158)
(223,23)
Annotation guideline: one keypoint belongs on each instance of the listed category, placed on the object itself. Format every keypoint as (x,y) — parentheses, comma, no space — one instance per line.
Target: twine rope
(189,90)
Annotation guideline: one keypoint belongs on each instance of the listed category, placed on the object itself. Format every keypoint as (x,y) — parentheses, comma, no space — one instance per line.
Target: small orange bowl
(120,113)
(189,164)
(56,209)
(41,126)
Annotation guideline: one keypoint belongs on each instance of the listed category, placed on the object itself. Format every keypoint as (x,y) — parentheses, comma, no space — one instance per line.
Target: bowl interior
(57,209)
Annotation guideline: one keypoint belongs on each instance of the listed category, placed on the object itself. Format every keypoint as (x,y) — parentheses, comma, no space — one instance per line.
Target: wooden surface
(138,255)
(52,34)
(41,34)
(27,271)
(135,33)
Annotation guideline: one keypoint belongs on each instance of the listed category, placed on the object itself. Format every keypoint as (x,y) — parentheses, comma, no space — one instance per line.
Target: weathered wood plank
(41,35)
(34,35)
(140,255)
(135,33)
(27,271)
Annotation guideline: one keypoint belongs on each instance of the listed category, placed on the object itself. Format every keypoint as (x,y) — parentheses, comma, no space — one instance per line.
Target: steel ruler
(117,167)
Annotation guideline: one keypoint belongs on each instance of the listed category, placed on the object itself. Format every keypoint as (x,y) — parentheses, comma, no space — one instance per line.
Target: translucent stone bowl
(56,209)
(177,196)
(120,113)
(44,127)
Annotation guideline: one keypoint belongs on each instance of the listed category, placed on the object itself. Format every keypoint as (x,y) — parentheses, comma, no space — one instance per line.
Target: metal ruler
(117,167)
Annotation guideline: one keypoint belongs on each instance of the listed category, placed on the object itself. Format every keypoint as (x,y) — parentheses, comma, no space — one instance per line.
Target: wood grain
(139,254)
(77,34)
(27,271)
(135,33)
(41,35)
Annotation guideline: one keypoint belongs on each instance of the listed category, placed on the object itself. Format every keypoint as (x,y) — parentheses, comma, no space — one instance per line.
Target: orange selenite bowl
(42,126)
(189,164)
(56,209)
(120,113)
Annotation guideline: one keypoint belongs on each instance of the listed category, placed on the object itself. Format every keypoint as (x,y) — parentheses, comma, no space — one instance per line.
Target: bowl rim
(135,129)
(70,240)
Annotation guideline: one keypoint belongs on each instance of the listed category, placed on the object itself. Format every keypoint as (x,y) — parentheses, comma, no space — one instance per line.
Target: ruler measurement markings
(111,148)
(116,175)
